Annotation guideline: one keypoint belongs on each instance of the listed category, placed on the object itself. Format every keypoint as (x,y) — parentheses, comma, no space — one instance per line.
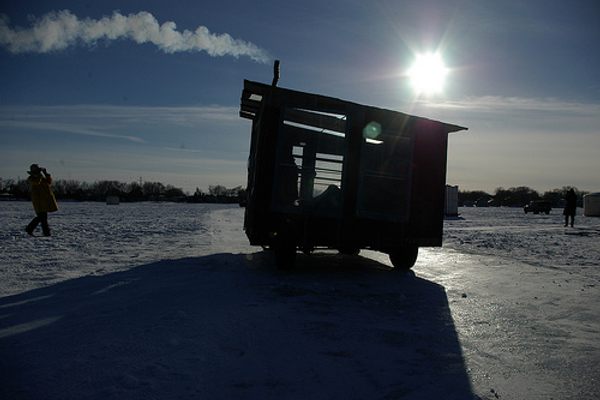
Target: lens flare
(372,130)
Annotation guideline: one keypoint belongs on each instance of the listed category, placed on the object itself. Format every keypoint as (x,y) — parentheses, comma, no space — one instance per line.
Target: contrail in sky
(59,30)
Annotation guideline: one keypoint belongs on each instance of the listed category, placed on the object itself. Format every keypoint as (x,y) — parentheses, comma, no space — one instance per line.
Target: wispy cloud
(511,104)
(184,149)
(117,122)
(179,115)
(65,128)
(61,29)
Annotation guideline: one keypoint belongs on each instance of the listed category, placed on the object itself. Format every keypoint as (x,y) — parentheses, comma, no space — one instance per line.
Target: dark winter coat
(571,205)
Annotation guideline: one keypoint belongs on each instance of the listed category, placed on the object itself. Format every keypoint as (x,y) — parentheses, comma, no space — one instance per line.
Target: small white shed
(451,206)
(591,205)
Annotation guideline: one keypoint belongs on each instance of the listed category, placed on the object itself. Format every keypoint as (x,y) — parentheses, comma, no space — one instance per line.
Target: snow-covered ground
(168,301)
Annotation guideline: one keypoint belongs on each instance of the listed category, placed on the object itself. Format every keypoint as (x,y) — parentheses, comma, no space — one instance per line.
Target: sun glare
(428,73)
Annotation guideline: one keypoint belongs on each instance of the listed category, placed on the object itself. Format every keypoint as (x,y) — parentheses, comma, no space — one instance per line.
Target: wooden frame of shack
(328,173)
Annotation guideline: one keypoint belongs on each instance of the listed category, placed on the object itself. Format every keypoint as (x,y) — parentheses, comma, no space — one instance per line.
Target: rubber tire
(403,259)
(350,251)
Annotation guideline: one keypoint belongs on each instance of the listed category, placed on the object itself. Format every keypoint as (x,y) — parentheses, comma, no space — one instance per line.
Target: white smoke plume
(59,30)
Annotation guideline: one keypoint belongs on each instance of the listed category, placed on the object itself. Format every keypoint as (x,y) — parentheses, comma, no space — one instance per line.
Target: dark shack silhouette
(328,173)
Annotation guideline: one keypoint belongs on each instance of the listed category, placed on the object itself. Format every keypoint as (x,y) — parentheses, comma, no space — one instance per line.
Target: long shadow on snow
(231,326)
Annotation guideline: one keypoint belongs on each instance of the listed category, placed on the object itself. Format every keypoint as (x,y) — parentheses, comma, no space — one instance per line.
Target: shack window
(310,156)
(385,171)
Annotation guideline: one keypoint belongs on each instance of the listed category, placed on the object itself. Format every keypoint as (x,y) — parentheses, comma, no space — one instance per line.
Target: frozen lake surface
(93,238)
(536,239)
(162,300)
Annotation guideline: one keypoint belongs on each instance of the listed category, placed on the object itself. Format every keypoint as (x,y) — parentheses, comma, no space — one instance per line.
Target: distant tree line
(219,194)
(516,197)
(65,189)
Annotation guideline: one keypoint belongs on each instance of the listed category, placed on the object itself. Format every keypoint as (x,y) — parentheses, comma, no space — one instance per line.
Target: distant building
(591,205)
(451,204)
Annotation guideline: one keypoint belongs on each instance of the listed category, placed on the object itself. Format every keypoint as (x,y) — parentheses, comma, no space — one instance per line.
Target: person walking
(570,207)
(42,198)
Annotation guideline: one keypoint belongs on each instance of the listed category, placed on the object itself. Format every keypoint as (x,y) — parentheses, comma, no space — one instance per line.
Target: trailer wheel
(285,254)
(349,251)
(404,258)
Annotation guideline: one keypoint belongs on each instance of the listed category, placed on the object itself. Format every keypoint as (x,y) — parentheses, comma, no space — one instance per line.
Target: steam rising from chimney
(58,30)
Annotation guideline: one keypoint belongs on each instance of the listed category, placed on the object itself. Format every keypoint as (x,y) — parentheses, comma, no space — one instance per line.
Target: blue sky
(120,90)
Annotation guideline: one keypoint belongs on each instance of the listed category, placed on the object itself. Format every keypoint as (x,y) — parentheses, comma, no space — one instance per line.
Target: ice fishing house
(329,173)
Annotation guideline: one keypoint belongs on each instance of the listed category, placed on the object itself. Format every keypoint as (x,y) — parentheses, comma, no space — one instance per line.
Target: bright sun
(428,73)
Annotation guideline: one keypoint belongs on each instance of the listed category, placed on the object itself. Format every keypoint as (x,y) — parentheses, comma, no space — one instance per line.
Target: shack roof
(254,92)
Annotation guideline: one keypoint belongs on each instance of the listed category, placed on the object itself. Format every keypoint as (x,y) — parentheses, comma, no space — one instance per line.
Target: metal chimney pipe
(275,73)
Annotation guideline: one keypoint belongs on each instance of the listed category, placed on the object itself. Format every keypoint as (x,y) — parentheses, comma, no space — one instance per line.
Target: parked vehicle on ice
(538,206)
